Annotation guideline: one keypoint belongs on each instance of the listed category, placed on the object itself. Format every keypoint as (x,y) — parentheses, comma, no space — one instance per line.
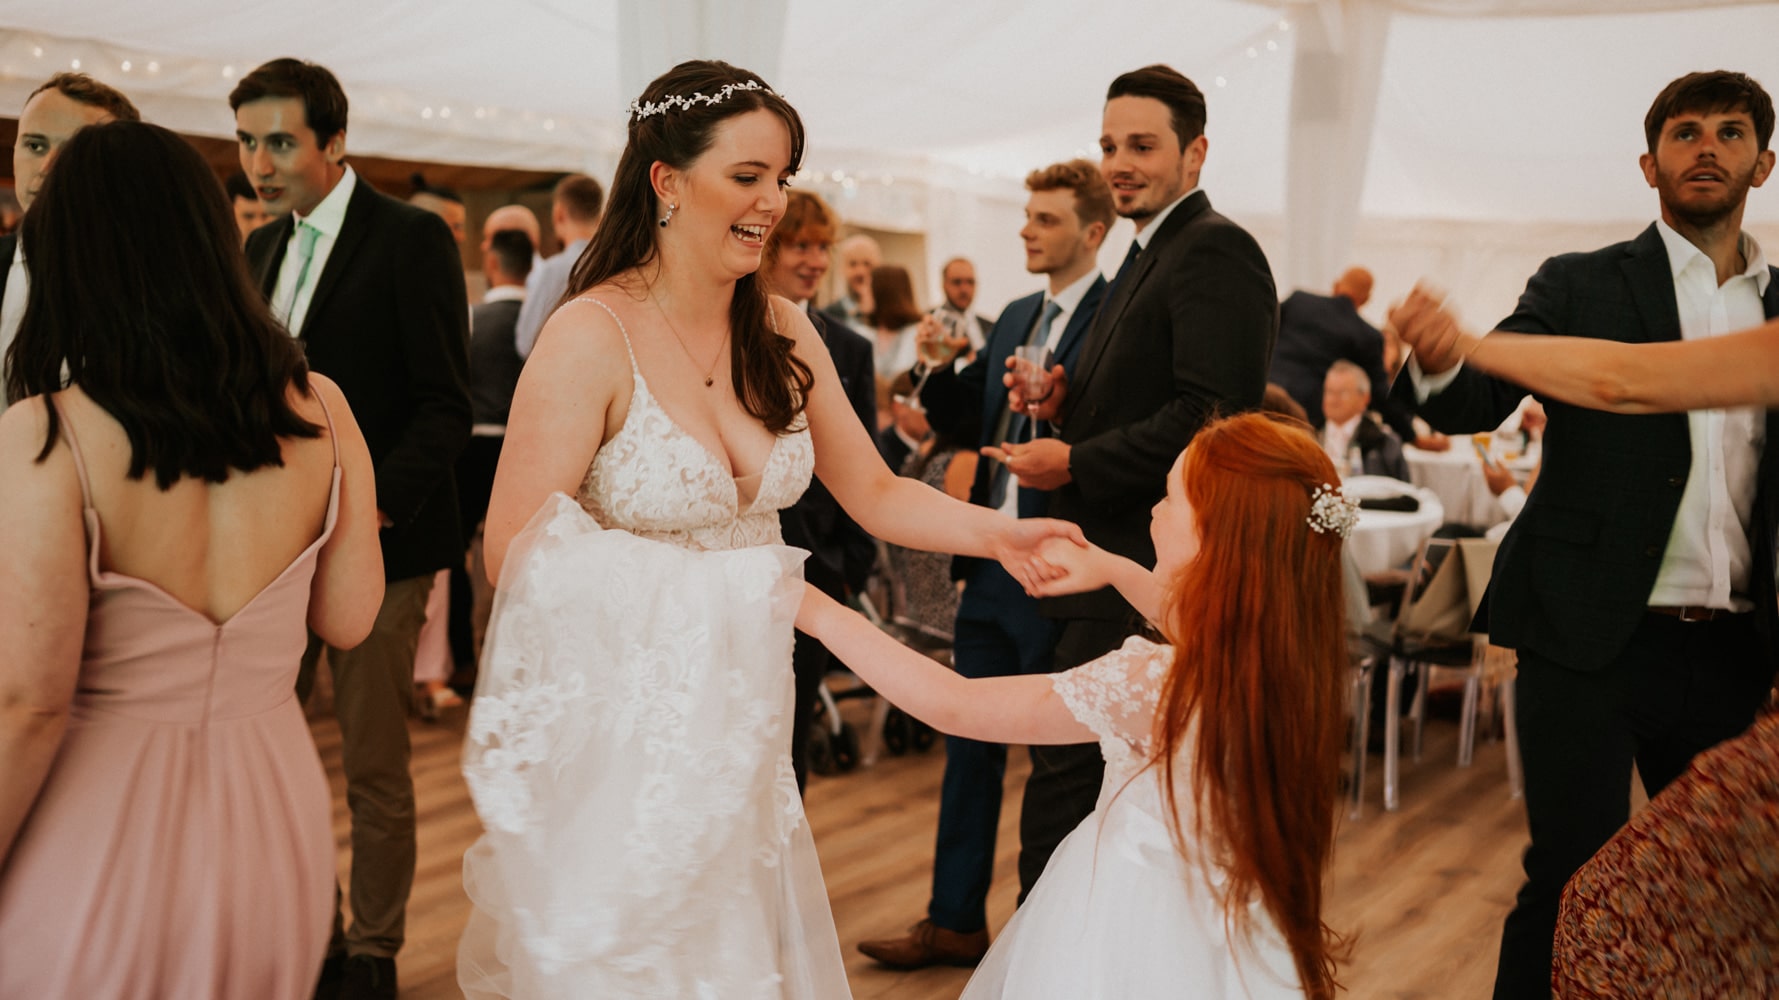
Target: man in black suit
(494,365)
(1000,631)
(1637,582)
(1348,427)
(1315,331)
(63,105)
(374,289)
(1185,332)
(793,264)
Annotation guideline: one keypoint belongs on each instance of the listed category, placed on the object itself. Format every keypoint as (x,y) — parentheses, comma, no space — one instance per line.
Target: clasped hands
(1041,463)
(1430,329)
(1050,557)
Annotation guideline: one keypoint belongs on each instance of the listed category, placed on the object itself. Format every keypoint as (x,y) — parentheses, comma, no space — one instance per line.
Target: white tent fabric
(1499,130)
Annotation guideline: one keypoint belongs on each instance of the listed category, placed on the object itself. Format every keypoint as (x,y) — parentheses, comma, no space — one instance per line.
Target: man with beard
(1637,583)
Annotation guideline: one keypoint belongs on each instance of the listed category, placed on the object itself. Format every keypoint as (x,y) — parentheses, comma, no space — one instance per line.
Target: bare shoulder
(22,428)
(793,323)
(585,330)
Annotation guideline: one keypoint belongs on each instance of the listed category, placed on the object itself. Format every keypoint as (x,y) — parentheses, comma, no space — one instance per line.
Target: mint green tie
(306,237)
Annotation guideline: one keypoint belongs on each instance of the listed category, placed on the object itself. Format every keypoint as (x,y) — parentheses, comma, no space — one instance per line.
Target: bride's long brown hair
(1257,681)
(771,381)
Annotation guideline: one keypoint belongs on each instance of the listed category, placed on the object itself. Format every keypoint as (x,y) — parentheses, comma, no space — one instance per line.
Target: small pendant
(709,380)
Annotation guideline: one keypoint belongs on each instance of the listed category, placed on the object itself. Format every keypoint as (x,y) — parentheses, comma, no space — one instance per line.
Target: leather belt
(1692,613)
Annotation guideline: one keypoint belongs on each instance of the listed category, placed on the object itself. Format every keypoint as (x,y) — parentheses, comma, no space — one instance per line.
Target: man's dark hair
(1717,92)
(238,186)
(581,197)
(421,187)
(153,312)
(84,89)
(513,250)
(1185,102)
(324,101)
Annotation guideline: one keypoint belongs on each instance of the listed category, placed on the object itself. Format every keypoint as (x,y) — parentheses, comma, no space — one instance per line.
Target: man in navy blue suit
(999,630)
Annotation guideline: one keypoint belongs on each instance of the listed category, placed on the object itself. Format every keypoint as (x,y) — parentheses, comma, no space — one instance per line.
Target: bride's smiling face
(729,198)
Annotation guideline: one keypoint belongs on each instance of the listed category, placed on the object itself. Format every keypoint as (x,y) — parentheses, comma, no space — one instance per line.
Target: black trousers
(475,481)
(809,664)
(1065,781)
(1677,689)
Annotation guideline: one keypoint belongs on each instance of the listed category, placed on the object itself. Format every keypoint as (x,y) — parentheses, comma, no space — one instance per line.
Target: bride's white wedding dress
(628,750)
(1118,913)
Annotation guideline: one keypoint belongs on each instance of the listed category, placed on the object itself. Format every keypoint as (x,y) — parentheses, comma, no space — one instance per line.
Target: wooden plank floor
(1422,891)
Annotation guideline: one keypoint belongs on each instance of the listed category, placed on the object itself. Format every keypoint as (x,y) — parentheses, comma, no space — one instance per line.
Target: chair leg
(1423,674)
(1467,713)
(1516,775)
(1361,736)
(1392,729)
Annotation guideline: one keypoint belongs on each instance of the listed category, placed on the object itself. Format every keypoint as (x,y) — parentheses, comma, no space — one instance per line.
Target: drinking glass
(1031,364)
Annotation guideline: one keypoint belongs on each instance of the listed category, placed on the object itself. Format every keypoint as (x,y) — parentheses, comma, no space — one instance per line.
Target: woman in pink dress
(180,501)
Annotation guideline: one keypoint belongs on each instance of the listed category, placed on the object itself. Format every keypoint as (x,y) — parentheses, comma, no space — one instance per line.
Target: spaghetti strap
(86,489)
(634,370)
(332,437)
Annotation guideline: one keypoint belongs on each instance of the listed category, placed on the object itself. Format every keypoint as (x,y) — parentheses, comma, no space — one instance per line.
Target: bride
(627,748)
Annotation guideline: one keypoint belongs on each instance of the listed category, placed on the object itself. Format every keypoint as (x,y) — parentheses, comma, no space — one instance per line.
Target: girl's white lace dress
(1118,914)
(628,751)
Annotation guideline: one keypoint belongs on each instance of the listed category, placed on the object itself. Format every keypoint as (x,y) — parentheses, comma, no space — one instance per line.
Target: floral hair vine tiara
(1332,510)
(639,111)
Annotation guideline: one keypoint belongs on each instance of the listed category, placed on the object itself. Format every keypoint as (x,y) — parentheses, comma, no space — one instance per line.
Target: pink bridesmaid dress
(182,845)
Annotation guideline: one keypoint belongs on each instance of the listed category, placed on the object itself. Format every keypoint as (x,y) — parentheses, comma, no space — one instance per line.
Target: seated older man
(1347,427)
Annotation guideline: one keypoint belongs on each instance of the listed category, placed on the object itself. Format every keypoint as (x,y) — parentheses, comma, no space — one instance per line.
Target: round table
(1383,540)
(1456,477)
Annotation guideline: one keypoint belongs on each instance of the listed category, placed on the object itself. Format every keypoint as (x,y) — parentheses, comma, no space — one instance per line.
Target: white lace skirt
(628,755)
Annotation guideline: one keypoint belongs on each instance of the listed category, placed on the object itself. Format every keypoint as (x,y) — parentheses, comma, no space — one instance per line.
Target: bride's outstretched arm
(1023,709)
(896,508)
(1739,369)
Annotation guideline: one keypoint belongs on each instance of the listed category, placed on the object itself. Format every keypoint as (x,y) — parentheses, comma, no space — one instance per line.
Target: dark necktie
(1130,260)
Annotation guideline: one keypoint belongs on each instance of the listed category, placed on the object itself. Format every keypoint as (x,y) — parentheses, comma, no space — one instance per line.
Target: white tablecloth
(1388,539)
(1456,477)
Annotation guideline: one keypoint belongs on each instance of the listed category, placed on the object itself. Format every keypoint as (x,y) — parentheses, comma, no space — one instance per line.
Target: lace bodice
(655,480)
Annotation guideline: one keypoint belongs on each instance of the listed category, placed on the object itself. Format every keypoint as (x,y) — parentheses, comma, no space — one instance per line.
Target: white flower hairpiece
(639,111)
(1332,510)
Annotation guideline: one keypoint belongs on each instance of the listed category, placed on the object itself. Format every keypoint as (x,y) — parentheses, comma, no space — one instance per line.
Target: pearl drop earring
(672,207)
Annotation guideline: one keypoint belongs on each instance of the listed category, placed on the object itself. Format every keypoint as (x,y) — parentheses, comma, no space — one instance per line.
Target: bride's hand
(1021,544)
(1078,568)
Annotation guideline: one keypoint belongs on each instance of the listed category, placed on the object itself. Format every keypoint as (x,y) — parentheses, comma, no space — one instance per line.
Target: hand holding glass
(1031,366)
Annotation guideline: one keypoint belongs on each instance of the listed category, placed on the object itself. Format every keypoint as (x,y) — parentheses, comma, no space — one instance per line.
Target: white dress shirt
(18,292)
(1337,438)
(544,288)
(1707,559)
(288,302)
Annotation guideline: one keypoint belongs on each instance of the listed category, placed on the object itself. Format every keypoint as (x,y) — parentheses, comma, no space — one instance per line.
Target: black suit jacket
(1315,331)
(1185,336)
(388,322)
(1574,573)
(840,551)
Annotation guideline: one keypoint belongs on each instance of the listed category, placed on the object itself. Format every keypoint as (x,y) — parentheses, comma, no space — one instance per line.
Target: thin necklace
(710,369)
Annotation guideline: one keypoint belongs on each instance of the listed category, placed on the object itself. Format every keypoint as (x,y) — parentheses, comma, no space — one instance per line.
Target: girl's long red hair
(1258,680)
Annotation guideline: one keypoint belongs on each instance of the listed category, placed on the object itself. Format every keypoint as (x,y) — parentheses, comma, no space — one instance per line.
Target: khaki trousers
(373,693)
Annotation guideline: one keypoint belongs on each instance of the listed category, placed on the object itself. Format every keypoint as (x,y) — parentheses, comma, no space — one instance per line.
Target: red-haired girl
(1201,871)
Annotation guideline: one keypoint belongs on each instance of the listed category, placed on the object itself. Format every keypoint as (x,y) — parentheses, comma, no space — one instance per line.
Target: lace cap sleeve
(1117,694)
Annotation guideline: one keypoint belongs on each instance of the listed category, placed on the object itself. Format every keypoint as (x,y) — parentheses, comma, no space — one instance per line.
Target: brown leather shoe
(929,944)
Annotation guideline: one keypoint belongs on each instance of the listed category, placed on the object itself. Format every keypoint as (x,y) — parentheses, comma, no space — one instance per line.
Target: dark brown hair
(324,100)
(1254,701)
(771,381)
(1716,92)
(85,90)
(153,310)
(893,292)
(1093,196)
(1185,102)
